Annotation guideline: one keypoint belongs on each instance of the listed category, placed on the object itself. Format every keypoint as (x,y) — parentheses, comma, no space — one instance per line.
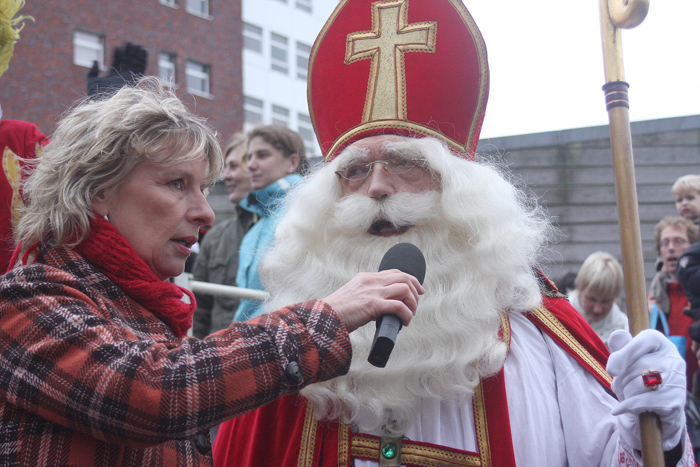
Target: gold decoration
(369,447)
(8,33)
(308,439)
(550,321)
(390,38)
(13,173)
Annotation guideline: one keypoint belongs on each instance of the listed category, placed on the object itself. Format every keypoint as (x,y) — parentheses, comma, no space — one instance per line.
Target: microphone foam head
(406,257)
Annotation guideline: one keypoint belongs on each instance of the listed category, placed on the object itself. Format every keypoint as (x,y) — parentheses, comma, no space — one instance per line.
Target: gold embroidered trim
(413,454)
(343,445)
(481,426)
(505,331)
(549,320)
(392,124)
(483,68)
(13,173)
(308,439)
(365,446)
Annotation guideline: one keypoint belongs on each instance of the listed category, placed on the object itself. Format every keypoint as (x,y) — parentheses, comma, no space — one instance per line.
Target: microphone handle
(388,327)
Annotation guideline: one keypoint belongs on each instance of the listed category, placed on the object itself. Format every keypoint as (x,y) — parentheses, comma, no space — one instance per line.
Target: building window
(304,5)
(303,53)
(278,53)
(166,68)
(252,37)
(280,115)
(306,131)
(197,78)
(88,48)
(198,7)
(170,3)
(253,110)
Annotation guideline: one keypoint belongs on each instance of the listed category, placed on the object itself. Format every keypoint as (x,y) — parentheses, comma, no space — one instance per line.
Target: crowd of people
(106,361)
(598,284)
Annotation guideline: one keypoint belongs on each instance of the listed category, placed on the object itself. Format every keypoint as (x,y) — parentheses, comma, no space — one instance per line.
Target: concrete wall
(571,173)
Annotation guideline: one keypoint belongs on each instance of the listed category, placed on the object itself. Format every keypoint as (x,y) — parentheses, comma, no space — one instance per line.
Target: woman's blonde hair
(95,148)
(238,140)
(602,273)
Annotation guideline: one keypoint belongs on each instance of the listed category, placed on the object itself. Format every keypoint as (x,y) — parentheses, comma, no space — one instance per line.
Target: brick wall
(42,81)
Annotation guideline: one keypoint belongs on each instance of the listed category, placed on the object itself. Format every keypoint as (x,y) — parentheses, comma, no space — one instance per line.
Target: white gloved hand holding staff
(651,353)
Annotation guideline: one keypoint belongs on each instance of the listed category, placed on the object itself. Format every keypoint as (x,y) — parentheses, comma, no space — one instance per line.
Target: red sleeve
(21,137)
(18,139)
(33,139)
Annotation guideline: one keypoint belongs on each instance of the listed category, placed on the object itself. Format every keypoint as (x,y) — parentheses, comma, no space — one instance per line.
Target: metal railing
(217,290)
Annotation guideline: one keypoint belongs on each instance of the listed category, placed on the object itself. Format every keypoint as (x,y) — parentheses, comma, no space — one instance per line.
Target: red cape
(282,433)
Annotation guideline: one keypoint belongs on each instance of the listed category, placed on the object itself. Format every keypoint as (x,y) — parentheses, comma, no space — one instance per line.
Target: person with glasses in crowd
(672,236)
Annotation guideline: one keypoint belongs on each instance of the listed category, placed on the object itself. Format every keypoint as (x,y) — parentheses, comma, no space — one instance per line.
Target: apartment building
(277,40)
(195,45)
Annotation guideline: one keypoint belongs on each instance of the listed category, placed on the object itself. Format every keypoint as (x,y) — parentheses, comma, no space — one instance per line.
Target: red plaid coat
(88,377)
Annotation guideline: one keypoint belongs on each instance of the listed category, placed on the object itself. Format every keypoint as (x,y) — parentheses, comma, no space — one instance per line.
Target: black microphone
(407,258)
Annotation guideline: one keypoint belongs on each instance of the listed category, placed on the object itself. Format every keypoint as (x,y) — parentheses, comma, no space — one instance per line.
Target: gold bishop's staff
(616,15)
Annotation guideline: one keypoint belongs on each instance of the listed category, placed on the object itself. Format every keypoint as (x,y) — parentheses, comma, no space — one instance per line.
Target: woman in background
(598,286)
(276,160)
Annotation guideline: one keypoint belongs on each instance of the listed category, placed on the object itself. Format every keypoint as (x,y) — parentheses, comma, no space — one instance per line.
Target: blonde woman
(96,366)
(598,286)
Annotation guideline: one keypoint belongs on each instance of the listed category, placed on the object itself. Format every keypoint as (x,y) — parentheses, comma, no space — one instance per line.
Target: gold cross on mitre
(390,38)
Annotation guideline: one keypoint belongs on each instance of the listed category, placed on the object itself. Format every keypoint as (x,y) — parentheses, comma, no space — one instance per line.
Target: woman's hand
(370,295)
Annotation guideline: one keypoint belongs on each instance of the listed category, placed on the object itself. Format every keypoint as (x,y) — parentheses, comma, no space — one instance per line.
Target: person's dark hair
(286,141)
(566,282)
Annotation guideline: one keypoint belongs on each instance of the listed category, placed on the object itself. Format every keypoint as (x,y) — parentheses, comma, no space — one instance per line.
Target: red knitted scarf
(109,251)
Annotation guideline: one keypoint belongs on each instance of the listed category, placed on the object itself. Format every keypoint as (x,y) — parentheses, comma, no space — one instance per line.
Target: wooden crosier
(616,15)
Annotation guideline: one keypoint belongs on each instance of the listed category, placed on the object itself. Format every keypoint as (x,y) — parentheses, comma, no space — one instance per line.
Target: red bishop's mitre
(406,67)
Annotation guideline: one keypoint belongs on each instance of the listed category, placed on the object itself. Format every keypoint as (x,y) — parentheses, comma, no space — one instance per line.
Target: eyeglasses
(410,170)
(677,242)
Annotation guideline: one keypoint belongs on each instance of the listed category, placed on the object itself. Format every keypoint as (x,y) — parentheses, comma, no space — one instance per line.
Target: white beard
(479,254)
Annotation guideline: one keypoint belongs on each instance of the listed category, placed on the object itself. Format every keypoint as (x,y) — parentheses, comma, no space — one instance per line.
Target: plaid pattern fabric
(88,377)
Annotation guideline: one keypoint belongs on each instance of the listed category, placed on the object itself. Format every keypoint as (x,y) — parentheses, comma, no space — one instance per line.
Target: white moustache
(356,213)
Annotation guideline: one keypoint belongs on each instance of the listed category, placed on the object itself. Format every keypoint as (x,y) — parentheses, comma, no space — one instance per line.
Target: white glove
(630,358)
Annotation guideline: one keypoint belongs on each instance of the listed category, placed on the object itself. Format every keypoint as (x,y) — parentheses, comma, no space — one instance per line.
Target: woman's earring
(105,217)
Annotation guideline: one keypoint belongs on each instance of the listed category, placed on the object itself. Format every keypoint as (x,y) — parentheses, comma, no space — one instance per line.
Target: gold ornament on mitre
(9,32)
